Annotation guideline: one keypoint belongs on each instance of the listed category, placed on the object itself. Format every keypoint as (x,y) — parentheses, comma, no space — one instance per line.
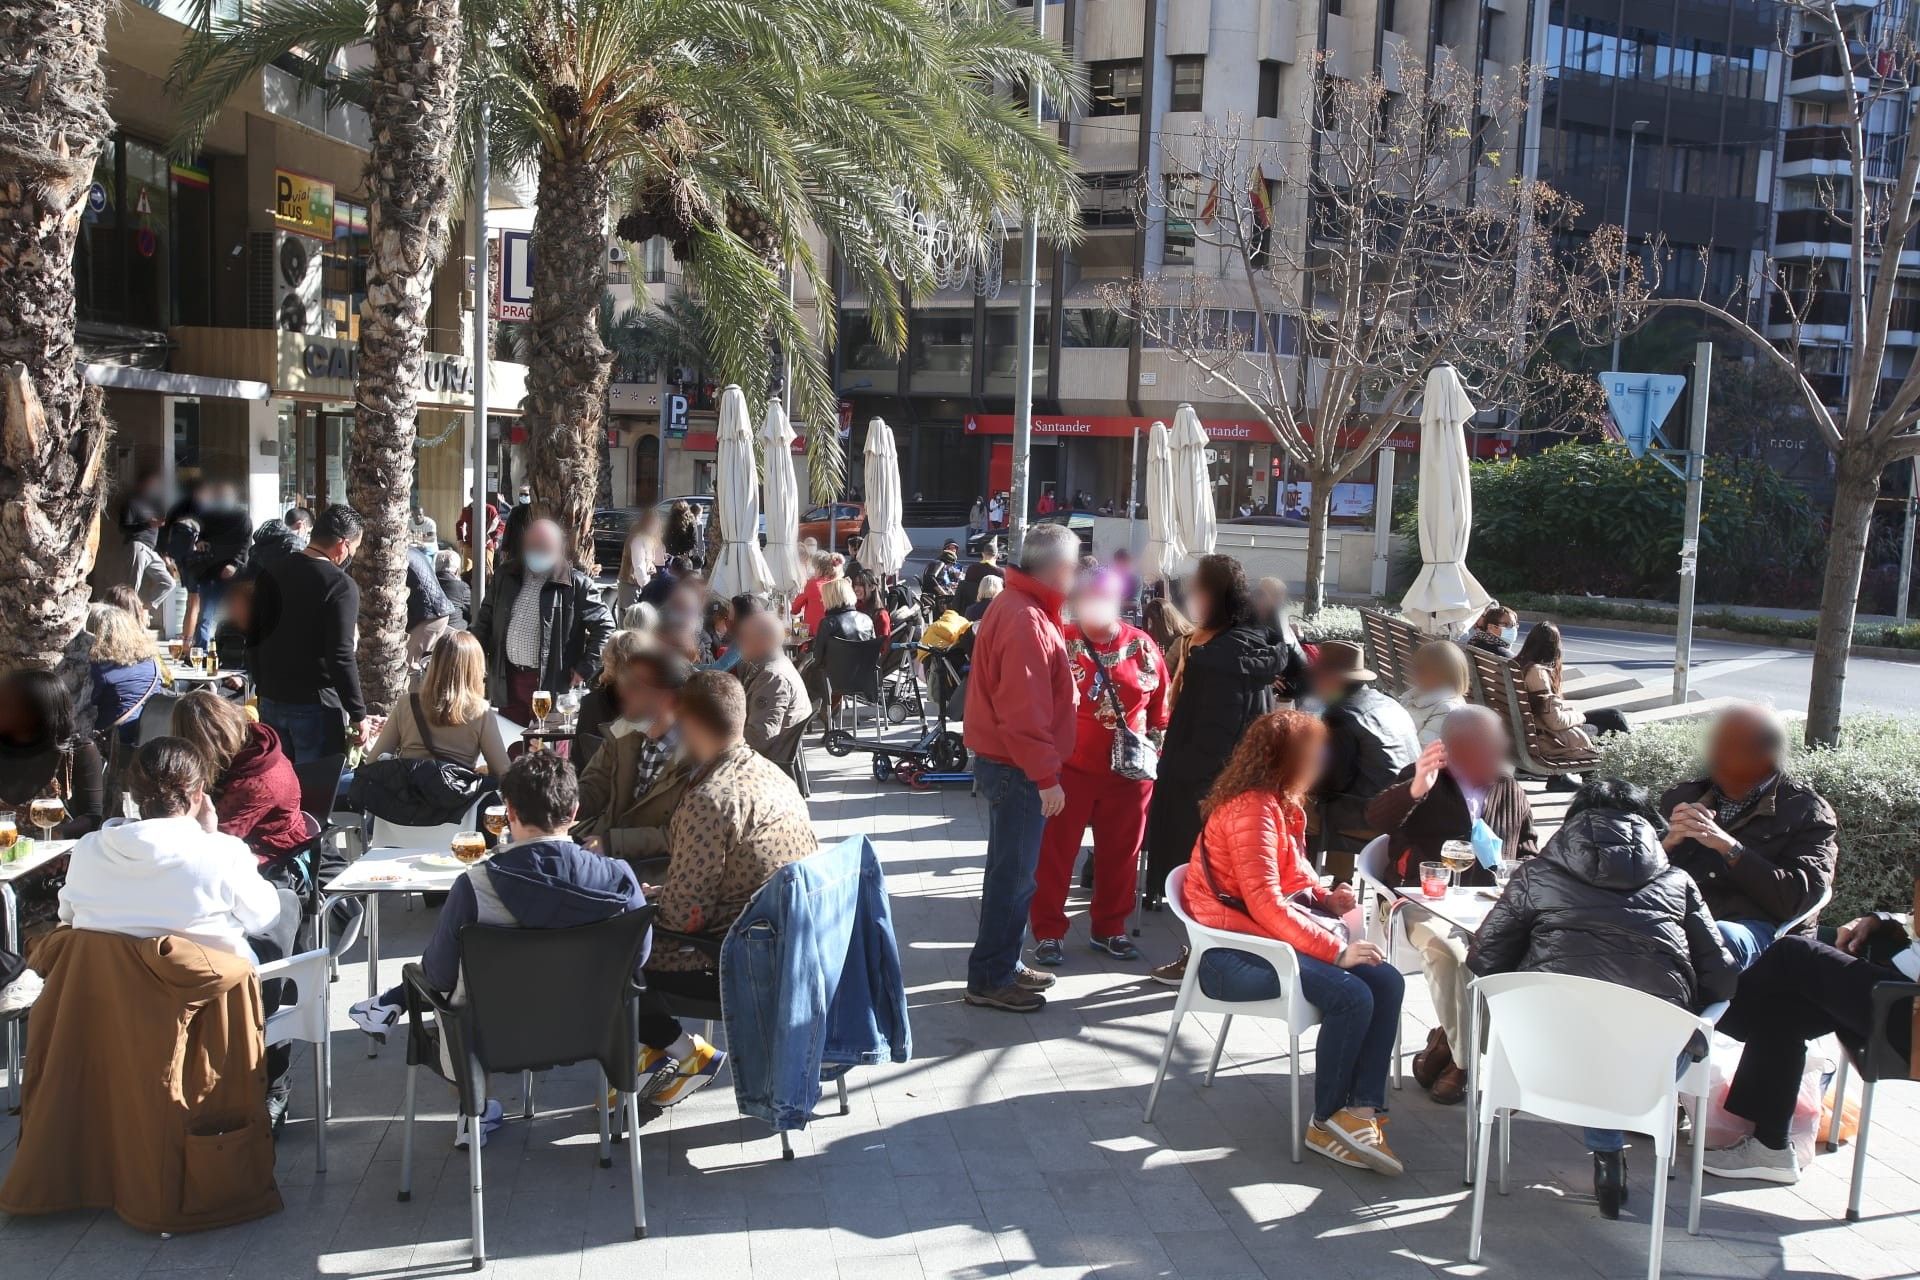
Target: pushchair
(939,754)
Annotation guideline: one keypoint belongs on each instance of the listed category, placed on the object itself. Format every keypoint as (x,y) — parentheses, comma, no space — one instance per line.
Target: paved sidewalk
(1009,1146)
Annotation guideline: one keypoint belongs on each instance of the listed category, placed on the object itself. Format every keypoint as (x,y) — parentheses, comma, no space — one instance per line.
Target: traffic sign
(673,414)
(1639,403)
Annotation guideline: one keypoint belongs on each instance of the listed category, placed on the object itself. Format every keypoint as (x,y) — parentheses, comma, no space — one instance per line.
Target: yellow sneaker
(1363,1138)
(691,1074)
(1320,1139)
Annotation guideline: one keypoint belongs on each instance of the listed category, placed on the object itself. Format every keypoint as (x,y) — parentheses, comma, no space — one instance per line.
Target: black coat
(1225,686)
(228,536)
(273,542)
(460,597)
(425,600)
(1602,901)
(574,626)
(1789,845)
(1370,739)
(1293,661)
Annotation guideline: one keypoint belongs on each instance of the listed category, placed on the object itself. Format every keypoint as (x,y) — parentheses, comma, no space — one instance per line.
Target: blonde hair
(990,586)
(622,647)
(454,689)
(837,593)
(1443,659)
(215,726)
(118,636)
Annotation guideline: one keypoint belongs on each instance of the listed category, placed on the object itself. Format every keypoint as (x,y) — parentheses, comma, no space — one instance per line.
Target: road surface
(1724,669)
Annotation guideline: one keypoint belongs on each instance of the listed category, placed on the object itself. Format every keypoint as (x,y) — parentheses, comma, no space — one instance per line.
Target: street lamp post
(1023,378)
(1626,216)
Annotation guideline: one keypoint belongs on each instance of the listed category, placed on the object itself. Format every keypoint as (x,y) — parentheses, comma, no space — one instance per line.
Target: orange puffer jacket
(1257,846)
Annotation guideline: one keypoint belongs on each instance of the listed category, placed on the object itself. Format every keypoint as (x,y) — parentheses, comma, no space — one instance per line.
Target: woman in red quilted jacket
(1249,873)
(256,793)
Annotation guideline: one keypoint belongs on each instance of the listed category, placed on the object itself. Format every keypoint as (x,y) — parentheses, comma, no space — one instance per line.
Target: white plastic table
(181,673)
(379,872)
(1464,909)
(44,852)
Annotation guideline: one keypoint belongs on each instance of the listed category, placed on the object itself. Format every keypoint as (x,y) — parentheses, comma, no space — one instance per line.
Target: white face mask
(1510,635)
(541,561)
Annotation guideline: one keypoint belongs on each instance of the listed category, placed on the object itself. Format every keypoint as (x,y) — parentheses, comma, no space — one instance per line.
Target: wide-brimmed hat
(1338,658)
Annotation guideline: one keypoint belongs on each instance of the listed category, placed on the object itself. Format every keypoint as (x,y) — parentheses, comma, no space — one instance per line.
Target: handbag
(415,793)
(1133,756)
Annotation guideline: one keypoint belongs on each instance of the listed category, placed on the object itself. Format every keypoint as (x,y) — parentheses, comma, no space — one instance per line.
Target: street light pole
(482,292)
(1023,377)
(1696,463)
(1626,216)
(1906,546)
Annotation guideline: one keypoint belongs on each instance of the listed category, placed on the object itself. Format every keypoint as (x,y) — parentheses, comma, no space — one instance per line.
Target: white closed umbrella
(1445,597)
(740,567)
(1160,562)
(1192,488)
(886,547)
(780,495)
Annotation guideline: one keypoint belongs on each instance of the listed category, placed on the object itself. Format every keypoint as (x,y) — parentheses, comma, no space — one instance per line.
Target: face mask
(1510,635)
(524,499)
(300,537)
(541,561)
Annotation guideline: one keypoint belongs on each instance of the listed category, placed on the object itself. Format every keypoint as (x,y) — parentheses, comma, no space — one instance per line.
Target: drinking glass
(46,812)
(494,819)
(9,834)
(1503,871)
(1457,854)
(1435,879)
(541,704)
(196,657)
(469,846)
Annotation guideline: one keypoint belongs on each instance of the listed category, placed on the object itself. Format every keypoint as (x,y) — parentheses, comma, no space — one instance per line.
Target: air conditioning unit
(283,283)
(616,253)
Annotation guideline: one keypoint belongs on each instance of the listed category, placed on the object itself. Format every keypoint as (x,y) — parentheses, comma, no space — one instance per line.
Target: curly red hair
(1279,752)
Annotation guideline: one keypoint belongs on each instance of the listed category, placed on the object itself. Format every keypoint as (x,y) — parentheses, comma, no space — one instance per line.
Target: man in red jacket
(1020,727)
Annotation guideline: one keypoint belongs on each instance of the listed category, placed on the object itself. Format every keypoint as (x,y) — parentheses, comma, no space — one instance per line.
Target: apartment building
(1160,71)
(219,297)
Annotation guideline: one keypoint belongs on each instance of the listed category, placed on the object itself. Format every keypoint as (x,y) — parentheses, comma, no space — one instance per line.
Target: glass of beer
(1458,855)
(494,819)
(196,656)
(9,834)
(542,705)
(47,812)
(469,846)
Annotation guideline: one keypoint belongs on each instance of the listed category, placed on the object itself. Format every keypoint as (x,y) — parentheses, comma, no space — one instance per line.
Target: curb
(1720,633)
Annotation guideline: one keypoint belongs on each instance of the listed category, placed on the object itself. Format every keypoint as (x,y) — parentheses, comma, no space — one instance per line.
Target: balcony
(1823,317)
(1815,151)
(1810,233)
(1818,73)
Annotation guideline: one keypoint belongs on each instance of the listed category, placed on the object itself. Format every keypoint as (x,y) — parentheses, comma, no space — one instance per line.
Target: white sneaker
(374,1018)
(489,1122)
(20,994)
(1752,1159)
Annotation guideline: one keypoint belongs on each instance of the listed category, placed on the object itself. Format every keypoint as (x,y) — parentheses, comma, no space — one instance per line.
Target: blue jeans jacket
(810,978)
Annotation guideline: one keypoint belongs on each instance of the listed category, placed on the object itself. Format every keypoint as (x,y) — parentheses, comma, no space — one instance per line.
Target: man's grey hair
(1047,545)
(447,563)
(1469,718)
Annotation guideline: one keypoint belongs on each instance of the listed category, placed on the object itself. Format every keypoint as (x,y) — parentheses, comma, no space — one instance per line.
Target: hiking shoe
(1119,946)
(490,1122)
(1363,1138)
(1049,952)
(374,1018)
(1032,979)
(1752,1159)
(1321,1139)
(1173,972)
(1013,998)
(690,1074)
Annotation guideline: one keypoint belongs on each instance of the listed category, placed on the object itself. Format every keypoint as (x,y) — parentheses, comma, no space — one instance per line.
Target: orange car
(832,526)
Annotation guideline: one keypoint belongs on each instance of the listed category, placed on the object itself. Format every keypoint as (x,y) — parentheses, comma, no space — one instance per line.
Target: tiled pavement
(1009,1146)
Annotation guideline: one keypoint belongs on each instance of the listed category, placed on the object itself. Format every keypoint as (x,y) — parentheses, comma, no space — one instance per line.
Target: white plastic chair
(1290,1007)
(1819,905)
(306,1020)
(1385,925)
(392,835)
(1583,1052)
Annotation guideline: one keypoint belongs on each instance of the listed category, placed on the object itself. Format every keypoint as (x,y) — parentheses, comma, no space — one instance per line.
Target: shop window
(146,228)
(1189,83)
(1115,87)
(344,278)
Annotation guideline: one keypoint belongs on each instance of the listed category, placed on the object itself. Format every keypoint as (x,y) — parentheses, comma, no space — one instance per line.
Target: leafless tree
(1864,410)
(1393,240)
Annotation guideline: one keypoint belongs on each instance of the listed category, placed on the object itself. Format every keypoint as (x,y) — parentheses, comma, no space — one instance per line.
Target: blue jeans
(1013,853)
(307,731)
(211,592)
(1747,939)
(1359,1015)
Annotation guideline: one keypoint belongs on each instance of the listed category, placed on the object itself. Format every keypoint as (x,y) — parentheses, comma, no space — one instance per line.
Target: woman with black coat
(1602,901)
(1225,683)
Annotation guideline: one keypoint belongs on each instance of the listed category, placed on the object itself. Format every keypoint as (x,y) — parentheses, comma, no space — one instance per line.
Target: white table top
(1463,908)
(183,674)
(44,851)
(413,878)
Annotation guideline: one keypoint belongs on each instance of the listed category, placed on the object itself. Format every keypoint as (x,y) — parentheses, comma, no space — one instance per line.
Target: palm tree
(53,433)
(412,98)
(734,130)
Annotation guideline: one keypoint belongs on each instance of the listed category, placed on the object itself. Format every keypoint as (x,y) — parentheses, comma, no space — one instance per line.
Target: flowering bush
(1333,622)
(1872,780)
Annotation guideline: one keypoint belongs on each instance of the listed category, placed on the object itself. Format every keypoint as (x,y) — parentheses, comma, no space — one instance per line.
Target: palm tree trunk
(412,111)
(1856,489)
(568,365)
(53,433)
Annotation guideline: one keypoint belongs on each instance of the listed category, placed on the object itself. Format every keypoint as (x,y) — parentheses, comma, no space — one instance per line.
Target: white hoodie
(162,876)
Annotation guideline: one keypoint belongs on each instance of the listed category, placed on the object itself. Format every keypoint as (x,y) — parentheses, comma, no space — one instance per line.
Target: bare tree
(1392,240)
(1868,420)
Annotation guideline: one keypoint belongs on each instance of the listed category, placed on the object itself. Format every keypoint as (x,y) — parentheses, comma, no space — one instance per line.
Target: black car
(610,525)
(1081,522)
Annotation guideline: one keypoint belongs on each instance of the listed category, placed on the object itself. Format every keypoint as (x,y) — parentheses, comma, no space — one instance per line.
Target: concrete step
(1579,689)
(1678,711)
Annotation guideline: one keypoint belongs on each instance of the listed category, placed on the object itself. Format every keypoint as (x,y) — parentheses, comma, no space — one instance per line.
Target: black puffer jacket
(1601,901)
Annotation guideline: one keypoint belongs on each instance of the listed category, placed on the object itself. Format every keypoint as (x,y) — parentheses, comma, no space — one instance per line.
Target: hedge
(1886,635)
(1333,622)
(1872,780)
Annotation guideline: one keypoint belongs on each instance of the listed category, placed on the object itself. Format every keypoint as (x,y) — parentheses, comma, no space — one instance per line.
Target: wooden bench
(1391,642)
(1499,687)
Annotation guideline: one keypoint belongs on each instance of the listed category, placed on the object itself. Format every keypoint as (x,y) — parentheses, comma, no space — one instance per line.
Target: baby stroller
(939,754)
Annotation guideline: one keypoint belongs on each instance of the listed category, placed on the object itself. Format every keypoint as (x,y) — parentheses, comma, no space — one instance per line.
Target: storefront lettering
(450,375)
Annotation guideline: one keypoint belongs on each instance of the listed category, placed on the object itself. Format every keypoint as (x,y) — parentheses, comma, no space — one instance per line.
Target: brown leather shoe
(1432,1060)
(1451,1088)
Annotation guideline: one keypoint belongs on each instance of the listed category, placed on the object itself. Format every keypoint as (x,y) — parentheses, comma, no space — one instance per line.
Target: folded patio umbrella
(886,547)
(780,494)
(1160,562)
(1192,488)
(1445,596)
(740,567)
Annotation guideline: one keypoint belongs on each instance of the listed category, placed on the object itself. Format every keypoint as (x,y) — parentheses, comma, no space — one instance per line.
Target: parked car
(610,525)
(1081,522)
(832,526)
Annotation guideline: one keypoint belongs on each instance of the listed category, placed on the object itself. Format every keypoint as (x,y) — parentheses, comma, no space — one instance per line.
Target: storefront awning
(127,378)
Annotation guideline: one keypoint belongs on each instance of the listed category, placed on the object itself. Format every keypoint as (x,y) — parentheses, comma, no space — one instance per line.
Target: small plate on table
(445,862)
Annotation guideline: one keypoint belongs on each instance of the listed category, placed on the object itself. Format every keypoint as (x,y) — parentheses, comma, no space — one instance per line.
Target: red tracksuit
(1116,806)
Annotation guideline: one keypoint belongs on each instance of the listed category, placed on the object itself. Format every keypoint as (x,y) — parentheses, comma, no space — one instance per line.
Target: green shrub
(1333,622)
(1872,780)
(1885,635)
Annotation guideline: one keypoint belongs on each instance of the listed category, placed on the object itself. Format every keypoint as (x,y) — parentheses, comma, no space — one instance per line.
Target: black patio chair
(1880,1058)
(508,1022)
